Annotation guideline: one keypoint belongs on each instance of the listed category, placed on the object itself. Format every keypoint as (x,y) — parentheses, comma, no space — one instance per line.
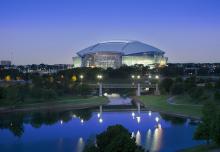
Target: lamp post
(133,79)
(99,77)
(81,78)
(157,91)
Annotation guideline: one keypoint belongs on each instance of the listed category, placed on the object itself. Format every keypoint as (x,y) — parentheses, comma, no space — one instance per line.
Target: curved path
(171,100)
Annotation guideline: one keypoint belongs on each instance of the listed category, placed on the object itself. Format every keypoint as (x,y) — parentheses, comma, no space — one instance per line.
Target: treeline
(124,72)
(191,87)
(209,128)
(42,88)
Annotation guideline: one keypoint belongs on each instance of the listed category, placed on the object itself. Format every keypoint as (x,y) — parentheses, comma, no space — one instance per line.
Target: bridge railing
(123,85)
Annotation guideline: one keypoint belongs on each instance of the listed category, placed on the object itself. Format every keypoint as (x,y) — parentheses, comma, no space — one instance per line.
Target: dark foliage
(115,138)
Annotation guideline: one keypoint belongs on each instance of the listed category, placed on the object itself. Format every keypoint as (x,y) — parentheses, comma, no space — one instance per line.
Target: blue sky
(52,31)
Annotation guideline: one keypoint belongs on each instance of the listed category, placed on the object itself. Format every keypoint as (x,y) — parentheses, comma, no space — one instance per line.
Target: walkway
(171,100)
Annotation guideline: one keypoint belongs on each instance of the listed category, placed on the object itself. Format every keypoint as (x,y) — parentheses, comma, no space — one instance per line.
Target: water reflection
(148,140)
(154,132)
(157,139)
(15,121)
(80,145)
(138,138)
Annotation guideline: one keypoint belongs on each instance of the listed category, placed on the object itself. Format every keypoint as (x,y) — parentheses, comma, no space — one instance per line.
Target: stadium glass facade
(115,54)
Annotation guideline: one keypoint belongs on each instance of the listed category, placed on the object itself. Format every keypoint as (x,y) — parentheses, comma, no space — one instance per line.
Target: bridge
(138,86)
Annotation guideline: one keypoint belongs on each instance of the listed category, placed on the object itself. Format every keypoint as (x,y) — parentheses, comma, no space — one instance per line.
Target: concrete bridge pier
(138,93)
(100,110)
(157,91)
(100,89)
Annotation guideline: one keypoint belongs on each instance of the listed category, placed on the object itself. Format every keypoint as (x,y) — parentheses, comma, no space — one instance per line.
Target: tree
(177,89)
(196,92)
(84,90)
(215,132)
(190,83)
(217,95)
(2,93)
(115,138)
(166,84)
(203,131)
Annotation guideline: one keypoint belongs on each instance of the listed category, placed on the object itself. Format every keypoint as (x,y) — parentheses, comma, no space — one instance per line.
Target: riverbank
(160,104)
(62,103)
(202,148)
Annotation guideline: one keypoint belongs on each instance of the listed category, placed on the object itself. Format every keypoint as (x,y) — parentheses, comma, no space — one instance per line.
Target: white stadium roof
(123,47)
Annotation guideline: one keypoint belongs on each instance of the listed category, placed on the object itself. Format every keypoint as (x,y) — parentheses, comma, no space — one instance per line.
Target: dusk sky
(52,31)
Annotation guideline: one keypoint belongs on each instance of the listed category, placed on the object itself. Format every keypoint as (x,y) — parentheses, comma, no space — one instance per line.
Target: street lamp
(157,77)
(99,76)
(81,76)
(138,77)
(132,76)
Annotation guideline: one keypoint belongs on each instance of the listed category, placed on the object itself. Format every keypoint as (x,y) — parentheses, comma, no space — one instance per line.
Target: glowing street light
(132,76)
(99,76)
(8,78)
(149,76)
(61,122)
(82,121)
(138,77)
(147,89)
(157,77)
(81,76)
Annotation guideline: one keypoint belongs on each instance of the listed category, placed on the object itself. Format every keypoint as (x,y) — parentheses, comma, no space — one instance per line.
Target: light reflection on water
(138,138)
(80,145)
(71,131)
(157,139)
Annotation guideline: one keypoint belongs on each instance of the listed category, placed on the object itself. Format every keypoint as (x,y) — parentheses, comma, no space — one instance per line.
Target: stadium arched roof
(123,47)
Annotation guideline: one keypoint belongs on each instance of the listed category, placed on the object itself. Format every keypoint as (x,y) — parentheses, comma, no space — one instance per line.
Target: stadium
(114,54)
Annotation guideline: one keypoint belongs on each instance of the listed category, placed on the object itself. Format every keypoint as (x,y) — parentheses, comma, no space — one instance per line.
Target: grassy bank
(159,103)
(64,102)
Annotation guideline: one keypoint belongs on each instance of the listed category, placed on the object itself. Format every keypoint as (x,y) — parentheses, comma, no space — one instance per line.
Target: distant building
(5,63)
(117,53)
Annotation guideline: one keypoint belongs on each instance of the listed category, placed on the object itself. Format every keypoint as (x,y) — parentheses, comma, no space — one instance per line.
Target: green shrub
(2,93)
(166,85)
(48,94)
(177,89)
(217,95)
(196,92)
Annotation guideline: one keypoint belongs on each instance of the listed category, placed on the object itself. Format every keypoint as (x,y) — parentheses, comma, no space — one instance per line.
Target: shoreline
(66,106)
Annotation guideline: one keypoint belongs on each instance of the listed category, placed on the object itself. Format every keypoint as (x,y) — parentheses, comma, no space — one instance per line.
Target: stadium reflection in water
(70,130)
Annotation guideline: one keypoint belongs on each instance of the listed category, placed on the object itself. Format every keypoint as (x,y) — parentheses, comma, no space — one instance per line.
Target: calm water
(68,131)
